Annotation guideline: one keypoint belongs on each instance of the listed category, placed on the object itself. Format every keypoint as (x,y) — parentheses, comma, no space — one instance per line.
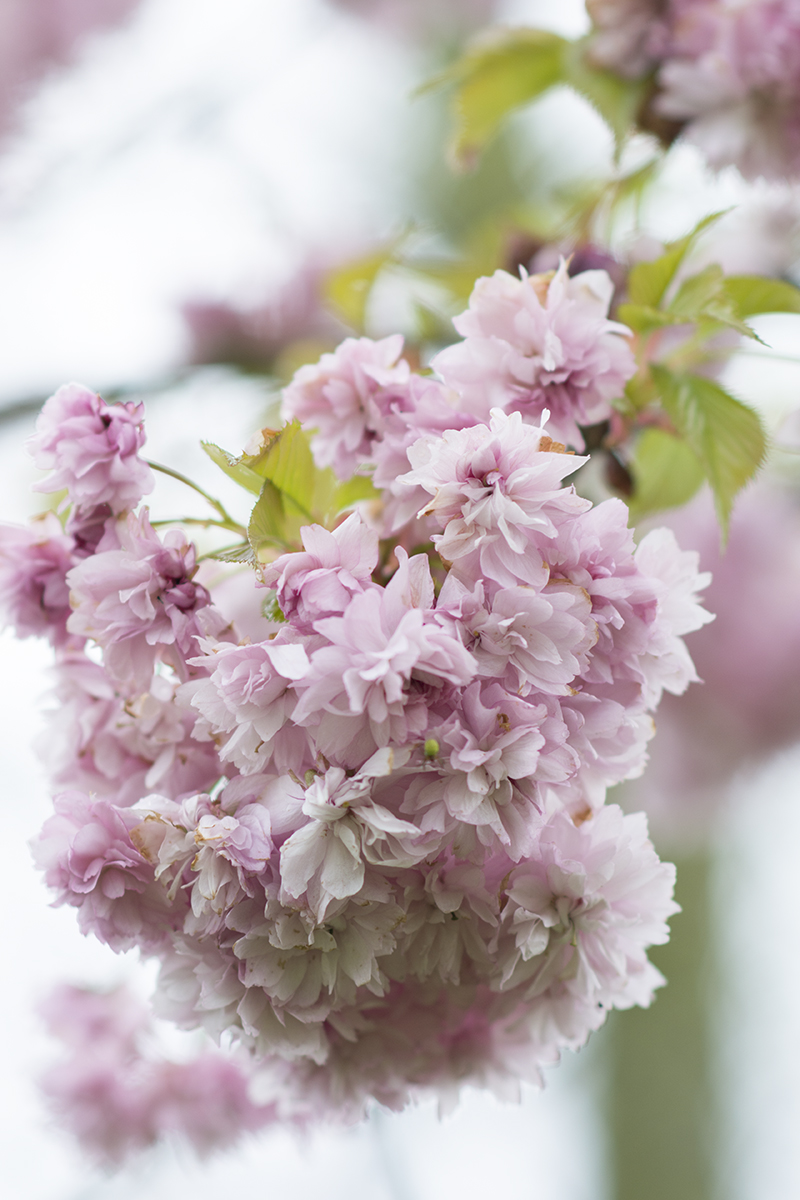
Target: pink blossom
(88,858)
(34,561)
(367,687)
(581,913)
(497,491)
(91,449)
(140,602)
(325,859)
(527,638)
(119,743)
(541,342)
(427,408)
(321,581)
(343,398)
(370,849)
(211,849)
(248,698)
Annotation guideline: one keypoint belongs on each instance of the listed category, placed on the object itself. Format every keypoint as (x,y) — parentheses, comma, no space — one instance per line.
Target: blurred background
(195,198)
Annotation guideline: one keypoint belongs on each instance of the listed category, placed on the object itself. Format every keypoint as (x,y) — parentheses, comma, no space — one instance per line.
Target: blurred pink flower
(118,1098)
(35,34)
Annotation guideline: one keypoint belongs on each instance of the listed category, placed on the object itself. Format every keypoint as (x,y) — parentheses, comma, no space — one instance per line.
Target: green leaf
(666,473)
(726,436)
(643,318)
(287,462)
(234,467)
(617,100)
(648,281)
(267,527)
(242,552)
(751,295)
(360,487)
(639,393)
(347,289)
(270,609)
(698,291)
(704,297)
(495,77)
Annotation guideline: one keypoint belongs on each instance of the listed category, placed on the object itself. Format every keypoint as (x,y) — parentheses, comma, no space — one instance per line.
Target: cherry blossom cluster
(369,845)
(727,72)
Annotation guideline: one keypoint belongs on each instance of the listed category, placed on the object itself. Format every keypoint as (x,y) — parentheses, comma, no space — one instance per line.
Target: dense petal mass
(370,847)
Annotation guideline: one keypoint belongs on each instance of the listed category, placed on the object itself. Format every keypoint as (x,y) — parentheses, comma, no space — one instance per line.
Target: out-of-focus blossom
(629,36)
(36,34)
(253,337)
(735,78)
(118,1095)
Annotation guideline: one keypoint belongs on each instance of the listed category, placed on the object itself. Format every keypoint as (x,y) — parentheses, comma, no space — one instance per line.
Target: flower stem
(216,504)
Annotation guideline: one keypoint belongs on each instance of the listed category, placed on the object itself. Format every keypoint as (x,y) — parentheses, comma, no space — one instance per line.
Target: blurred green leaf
(617,100)
(649,281)
(751,295)
(704,297)
(643,318)
(347,289)
(360,487)
(495,77)
(666,473)
(726,436)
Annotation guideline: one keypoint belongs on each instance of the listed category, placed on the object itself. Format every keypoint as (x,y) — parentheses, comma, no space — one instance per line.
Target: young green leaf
(666,473)
(267,527)
(617,100)
(360,487)
(751,295)
(286,461)
(704,297)
(347,289)
(234,467)
(493,78)
(726,436)
(643,318)
(242,552)
(649,281)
